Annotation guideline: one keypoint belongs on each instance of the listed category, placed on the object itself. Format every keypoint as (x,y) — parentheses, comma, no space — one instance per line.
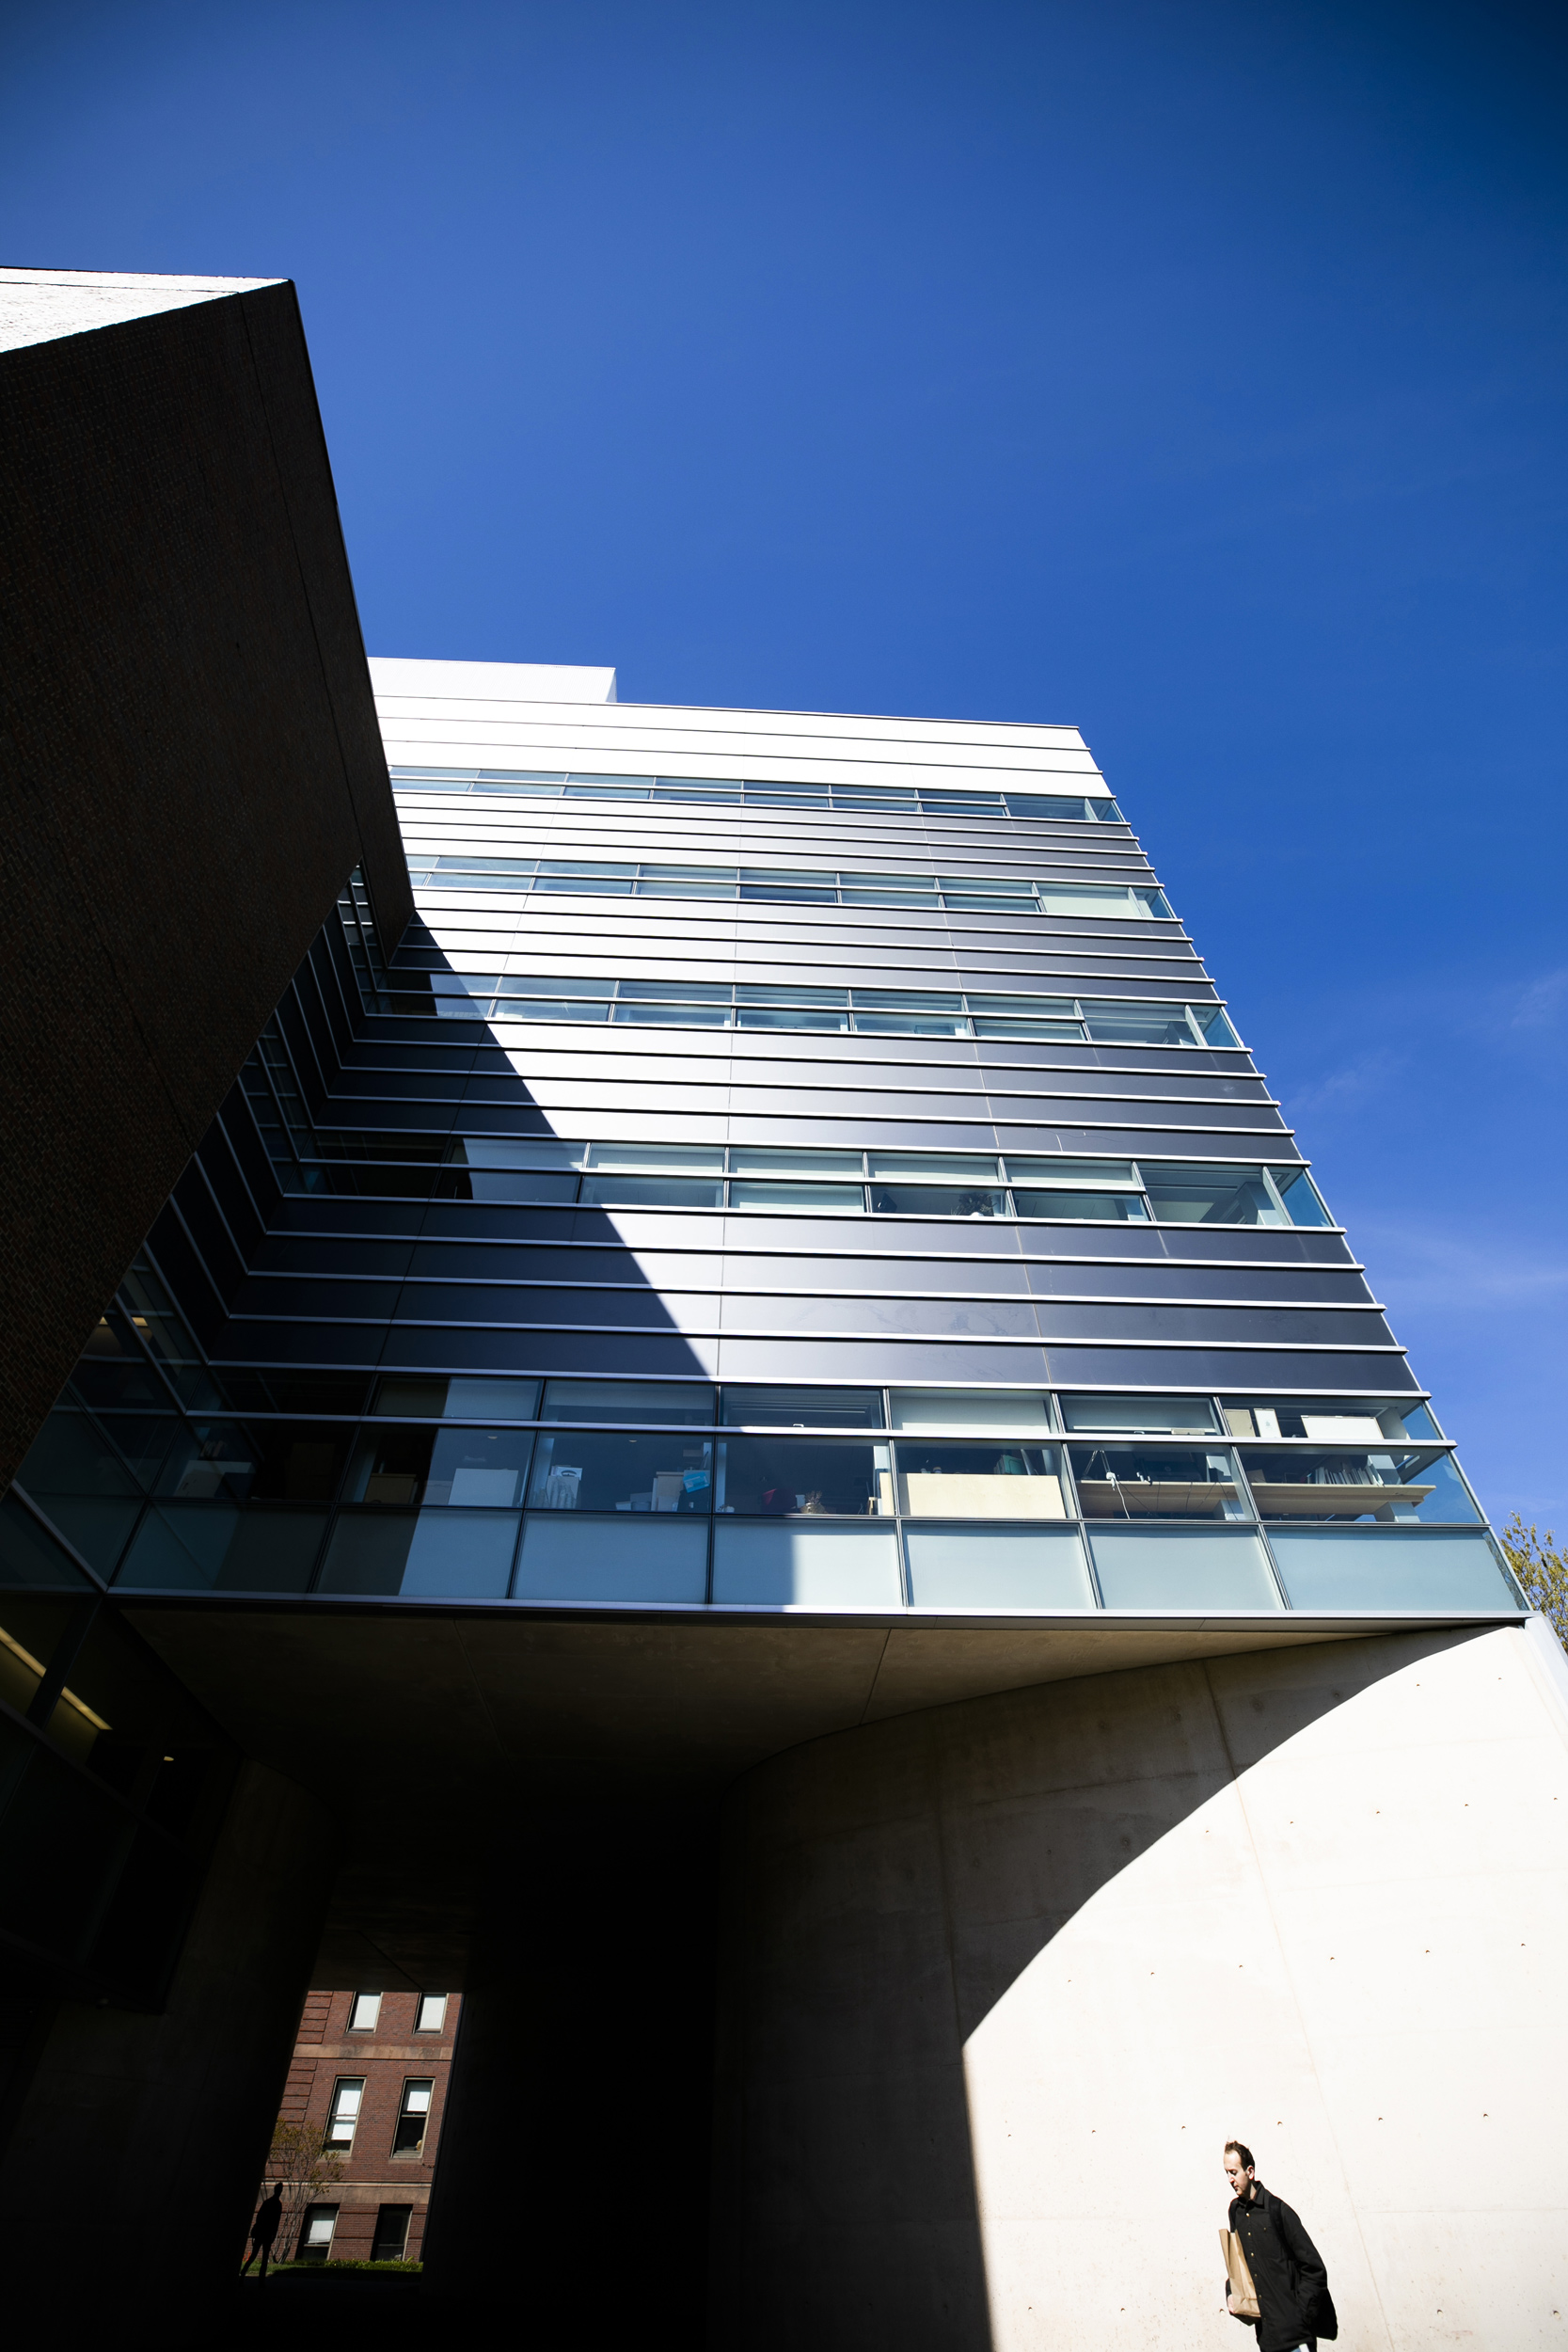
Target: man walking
(1288,2276)
(264,2229)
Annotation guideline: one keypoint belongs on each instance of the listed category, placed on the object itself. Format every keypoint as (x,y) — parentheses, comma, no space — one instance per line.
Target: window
(1092,807)
(413,2115)
(343,2116)
(595,1471)
(774,1179)
(390,2241)
(365,2015)
(1123,1481)
(432,2016)
(809,1478)
(1129,1022)
(315,2236)
(1004,1480)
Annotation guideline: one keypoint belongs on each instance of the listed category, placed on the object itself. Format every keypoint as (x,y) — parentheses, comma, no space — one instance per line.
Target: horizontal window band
(814,1251)
(794,1332)
(723,1291)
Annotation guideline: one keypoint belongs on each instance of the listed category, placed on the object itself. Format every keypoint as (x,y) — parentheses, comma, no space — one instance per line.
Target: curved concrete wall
(997,1981)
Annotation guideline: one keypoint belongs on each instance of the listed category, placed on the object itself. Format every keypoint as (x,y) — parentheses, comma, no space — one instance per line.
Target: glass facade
(837,1196)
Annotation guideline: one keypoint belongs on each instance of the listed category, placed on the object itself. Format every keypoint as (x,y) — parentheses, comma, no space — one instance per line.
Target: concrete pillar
(572,2180)
(998,1980)
(136,2146)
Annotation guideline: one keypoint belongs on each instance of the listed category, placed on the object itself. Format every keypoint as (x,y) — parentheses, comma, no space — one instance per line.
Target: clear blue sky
(1192,372)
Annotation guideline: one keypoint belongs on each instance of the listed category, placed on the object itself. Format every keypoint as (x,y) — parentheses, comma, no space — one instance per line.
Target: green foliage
(1542,1570)
(301,2160)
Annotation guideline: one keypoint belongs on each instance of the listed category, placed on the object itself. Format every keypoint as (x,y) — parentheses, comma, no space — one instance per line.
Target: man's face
(1240,2176)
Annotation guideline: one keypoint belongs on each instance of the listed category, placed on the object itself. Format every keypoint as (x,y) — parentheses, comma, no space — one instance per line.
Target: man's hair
(1243,2152)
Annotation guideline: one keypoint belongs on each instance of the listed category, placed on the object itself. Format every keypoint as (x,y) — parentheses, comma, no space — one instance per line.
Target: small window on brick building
(433,2014)
(315,2239)
(366,2013)
(344,2112)
(412,2118)
(390,2243)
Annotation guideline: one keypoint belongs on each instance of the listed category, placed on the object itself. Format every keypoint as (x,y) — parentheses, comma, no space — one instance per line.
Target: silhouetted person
(269,2213)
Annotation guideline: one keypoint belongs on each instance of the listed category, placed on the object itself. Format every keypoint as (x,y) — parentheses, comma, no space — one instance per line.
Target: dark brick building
(371,2069)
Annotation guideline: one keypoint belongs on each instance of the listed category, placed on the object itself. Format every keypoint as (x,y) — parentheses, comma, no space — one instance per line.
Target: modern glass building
(789,1163)
(673,1370)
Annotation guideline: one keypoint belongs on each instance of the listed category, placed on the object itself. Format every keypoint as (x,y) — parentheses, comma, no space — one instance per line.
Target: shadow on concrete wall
(882,1890)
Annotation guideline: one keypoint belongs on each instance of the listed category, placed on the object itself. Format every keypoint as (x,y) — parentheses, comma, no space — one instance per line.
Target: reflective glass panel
(937,1167)
(1008,1411)
(470,1399)
(792,1017)
(1209,1195)
(688,992)
(669,1403)
(1013,1568)
(1006,1481)
(1100,1208)
(599,1471)
(936,1201)
(1302,1203)
(803,1408)
(846,1199)
(1327,1420)
(680,1015)
(779,993)
(695,1159)
(765,1160)
(650,1192)
(804,1563)
(1139,1416)
(911,1024)
(807,1477)
(572,1557)
(1366,1567)
(1306,1485)
(1172,1568)
(1143,1025)
(1156,1483)
(514,1152)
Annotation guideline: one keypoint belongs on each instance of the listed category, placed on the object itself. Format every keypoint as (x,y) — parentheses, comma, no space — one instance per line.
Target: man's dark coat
(1288,2271)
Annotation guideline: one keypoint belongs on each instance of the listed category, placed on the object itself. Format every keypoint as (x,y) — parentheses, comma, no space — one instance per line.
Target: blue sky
(1192,372)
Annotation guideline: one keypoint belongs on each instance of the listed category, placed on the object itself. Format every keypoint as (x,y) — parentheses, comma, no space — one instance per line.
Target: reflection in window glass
(650,1192)
(671,1159)
(809,1478)
(1007,1411)
(1138,1416)
(593,1471)
(477,1399)
(1099,1208)
(1328,1420)
(1156,1483)
(1211,1196)
(1305,1485)
(1302,1203)
(936,1201)
(845,1199)
(1138,1025)
(937,1167)
(803,1408)
(258,1461)
(675,1403)
(980,1482)
(763,1160)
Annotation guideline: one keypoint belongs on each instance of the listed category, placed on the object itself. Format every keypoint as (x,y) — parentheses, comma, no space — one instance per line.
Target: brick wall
(329,2050)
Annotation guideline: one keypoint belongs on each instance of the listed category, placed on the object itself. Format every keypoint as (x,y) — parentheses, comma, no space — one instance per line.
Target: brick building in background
(372,2068)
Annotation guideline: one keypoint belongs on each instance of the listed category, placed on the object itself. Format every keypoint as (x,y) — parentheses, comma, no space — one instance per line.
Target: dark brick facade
(190,768)
(329,2051)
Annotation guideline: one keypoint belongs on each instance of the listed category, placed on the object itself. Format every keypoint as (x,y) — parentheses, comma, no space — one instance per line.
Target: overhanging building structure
(759,1403)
